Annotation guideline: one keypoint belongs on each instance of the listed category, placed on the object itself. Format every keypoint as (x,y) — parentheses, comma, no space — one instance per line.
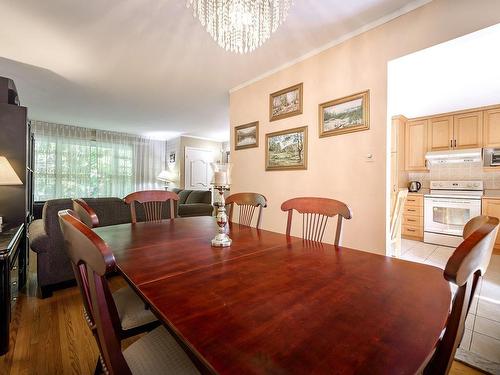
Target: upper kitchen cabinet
(415,145)
(440,134)
(491,132)
(468,130)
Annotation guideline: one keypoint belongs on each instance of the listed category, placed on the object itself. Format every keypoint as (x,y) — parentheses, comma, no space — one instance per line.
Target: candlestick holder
(221,239)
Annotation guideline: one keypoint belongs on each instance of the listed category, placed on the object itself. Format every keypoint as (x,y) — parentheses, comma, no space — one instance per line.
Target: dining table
(277,304)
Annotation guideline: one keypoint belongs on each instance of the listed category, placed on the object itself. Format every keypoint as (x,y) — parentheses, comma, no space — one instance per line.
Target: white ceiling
(459,74)
(147,66)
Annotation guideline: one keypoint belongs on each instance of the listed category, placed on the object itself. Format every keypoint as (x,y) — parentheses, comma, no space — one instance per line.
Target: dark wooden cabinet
(16,202)
(12,273)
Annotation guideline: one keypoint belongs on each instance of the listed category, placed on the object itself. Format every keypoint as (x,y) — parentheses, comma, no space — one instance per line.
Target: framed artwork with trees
(286,149)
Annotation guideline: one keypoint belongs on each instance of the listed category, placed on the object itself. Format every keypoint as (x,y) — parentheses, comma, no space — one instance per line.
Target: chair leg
(45,292)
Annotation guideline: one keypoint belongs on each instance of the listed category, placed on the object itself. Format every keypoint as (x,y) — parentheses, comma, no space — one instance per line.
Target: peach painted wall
(336,165)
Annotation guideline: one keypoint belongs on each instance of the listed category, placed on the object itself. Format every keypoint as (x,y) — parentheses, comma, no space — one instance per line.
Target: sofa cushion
(110,211)
(195,209)
(183,196)
(199,196)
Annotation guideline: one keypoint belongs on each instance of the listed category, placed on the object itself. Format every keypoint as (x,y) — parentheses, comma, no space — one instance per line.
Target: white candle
(220,178)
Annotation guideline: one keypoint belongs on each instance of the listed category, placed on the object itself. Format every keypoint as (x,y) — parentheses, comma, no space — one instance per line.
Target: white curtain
(73,161)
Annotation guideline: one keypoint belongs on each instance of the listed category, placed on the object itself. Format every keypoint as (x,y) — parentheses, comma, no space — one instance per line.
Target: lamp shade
(166,176)
(7,174)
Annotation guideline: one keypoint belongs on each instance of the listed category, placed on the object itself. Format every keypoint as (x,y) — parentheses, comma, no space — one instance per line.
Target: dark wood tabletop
(272,304)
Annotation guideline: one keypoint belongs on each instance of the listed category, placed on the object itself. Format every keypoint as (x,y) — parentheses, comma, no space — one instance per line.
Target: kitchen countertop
(492,194)
(426,191)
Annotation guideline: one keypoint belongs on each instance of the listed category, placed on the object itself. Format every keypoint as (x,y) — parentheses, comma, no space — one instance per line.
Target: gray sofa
(53,266)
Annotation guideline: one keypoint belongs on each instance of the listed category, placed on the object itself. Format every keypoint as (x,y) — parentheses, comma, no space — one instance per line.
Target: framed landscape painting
(345,115)
(286,149)
(286,102)
(246,136)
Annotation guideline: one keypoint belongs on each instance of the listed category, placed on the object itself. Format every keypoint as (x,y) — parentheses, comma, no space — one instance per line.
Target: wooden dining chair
(247,203)
(152,202)
(85,213)
(155,353)
(315,214)
(464,269)
(396,221)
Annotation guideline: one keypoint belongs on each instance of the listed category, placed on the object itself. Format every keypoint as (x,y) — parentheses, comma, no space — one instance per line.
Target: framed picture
(246,136)
(171,157)
(345,115)
(286,102)
(286,149)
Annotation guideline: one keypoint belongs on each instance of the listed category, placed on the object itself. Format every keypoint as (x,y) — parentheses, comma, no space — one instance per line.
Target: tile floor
(482,327)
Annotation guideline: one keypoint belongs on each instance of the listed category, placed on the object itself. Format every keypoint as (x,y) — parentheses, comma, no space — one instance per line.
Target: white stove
(448,207)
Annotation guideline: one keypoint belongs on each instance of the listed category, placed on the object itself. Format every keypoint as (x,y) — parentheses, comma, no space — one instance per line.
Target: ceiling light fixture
(240,25)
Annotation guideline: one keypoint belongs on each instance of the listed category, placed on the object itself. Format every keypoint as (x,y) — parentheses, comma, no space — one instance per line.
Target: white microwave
(492,157)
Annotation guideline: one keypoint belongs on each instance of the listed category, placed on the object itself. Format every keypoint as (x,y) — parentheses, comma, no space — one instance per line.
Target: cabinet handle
(14,299)
(451,143)
(455,143)
(411,220)
(410,230)
(411,209)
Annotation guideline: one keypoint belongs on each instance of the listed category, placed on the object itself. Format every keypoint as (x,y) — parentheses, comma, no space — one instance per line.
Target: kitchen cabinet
(491,207)
(464,130)
(491,127)
(413,217)
(415,145)
(440,133)
(468,130)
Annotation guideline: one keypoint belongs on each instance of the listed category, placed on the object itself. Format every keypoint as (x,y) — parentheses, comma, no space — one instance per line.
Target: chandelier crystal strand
(240,26)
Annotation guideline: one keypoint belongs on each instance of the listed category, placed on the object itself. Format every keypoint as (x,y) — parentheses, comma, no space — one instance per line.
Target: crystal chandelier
(240,25)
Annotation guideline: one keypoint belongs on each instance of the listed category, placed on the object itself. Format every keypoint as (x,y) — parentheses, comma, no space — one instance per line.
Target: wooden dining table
(276,304)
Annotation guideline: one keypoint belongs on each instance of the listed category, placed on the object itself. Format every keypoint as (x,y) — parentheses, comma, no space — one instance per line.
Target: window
(74,168)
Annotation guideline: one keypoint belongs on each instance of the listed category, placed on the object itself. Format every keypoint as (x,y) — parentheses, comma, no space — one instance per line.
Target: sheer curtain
(73,161)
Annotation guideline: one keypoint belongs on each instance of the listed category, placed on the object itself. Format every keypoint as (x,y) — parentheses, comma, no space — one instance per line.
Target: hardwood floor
(50,336)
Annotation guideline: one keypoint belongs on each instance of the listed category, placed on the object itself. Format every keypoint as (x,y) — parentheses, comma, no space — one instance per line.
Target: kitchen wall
(459,172)
(338,166)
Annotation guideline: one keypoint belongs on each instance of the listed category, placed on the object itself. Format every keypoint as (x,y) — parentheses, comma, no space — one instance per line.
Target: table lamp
(166,176)
(7,176)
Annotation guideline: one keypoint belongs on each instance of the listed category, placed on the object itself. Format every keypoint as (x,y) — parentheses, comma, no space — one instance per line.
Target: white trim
(203,138)
(406,9)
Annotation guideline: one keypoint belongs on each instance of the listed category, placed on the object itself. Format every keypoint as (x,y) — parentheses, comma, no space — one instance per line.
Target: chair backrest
(247,203)
(464,268)
(315,214)
(85,213)
(152,201)
(396,221)
(85,248)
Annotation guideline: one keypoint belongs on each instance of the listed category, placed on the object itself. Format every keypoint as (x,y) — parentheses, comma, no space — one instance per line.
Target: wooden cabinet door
(415,145)
(491,207)
(468,130)
(440,133)
(491,129)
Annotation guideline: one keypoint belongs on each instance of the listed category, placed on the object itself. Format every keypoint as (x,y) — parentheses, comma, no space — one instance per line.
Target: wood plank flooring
(51,337)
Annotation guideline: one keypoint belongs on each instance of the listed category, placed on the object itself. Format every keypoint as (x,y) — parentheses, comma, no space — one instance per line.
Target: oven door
(449,215)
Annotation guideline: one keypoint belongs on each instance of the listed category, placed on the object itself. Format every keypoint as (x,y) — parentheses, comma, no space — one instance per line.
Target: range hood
(470,155)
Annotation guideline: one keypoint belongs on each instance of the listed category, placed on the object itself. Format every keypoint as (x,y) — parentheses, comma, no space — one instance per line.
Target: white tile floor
(482,333)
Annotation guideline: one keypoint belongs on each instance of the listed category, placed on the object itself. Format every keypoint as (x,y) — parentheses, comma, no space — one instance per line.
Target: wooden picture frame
(351,115)
(246,129)
(273,155)
(276,113)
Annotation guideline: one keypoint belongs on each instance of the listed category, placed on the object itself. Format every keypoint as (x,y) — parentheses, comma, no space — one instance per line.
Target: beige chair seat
(131,309)
(158,353)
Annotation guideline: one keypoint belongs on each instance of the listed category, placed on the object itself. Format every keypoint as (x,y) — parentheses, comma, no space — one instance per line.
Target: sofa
(46,240)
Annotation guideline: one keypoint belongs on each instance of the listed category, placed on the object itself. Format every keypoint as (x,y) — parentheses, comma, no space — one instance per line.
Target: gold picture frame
(345,115)
(286,103)
(246,136)
(283,142)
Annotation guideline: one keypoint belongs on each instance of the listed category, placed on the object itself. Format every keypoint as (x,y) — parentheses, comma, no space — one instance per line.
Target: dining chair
(396,221)
(156,352)
(85,213)
(465,267)
(152,202)
(315,214)
(247,203)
